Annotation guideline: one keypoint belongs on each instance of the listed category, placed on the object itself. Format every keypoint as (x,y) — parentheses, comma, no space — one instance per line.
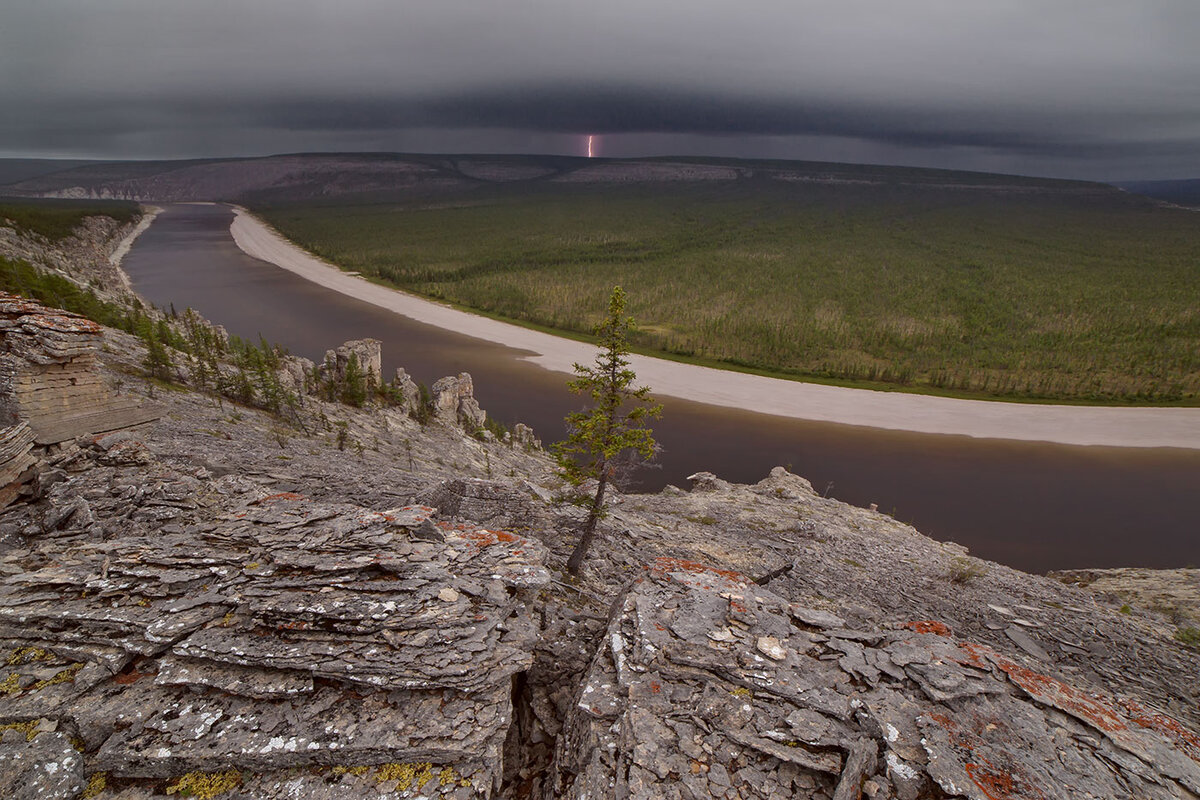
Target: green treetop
(614,425)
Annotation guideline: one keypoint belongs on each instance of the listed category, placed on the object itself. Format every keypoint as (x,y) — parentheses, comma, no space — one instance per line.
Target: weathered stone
(707,482)
(160,601)
(977,725)
(523,435)
(454,402)
(223,640)
(491,503)
(815,617)
(368,353)
(410,393)
(16,461)
(41,766)
(49,377)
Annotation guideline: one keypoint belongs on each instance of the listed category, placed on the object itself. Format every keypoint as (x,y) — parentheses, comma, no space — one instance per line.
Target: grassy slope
(1012,294)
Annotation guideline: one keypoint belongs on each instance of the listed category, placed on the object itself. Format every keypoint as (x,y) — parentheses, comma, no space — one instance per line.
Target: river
(1030,505)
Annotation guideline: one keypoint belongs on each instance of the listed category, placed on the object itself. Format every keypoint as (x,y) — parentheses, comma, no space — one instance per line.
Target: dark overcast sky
(1103,89)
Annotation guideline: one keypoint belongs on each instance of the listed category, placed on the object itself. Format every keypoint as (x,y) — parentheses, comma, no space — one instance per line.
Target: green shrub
(964,570)
(1189,637)
(21,278)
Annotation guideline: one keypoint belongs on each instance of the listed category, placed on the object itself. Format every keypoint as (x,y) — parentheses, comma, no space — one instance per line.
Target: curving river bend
(1031,505)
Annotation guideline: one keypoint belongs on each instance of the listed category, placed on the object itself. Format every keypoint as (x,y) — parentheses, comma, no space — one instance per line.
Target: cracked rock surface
(708,685)
(260,631)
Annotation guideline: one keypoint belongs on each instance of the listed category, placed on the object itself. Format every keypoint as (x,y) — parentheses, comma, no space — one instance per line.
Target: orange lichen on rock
(131,676)
(726,577)
(481,537)
(996,783)
(1058,694)
(976,655)
(271,498)
(1143,717)
(999,784)
(929,626)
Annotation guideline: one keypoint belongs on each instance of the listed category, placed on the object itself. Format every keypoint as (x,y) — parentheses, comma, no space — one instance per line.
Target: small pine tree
(614,425)
(158,358)
(354,390)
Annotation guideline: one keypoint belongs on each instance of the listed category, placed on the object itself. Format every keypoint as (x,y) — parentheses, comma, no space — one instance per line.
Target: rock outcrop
(454,402)
(177,623)
(1173,593)
(49,378)
(367,354)
(708,685)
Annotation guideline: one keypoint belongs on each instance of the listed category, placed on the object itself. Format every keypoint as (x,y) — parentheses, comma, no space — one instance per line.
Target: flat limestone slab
(112,417)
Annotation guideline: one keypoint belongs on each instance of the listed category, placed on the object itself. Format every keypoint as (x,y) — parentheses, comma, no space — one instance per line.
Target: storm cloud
(1090,89)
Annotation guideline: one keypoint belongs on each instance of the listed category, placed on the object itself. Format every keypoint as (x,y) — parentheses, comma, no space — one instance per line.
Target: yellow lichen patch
(63,676)
(226,620)
(351,770)
(742,691)
(205,785)
(449,776)
(24,655)
(96,784)
(253,565)
(30,729)
(405,775)
(11,684)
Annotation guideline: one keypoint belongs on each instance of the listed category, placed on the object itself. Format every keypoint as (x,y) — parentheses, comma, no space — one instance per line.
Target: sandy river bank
(1074,425)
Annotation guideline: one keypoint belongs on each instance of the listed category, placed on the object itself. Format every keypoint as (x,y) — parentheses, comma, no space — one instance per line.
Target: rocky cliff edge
(350,603)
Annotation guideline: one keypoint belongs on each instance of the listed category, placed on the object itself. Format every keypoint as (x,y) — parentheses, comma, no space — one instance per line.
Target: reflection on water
(1033,506)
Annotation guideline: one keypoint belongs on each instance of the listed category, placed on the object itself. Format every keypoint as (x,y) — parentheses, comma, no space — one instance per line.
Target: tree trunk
(589,527)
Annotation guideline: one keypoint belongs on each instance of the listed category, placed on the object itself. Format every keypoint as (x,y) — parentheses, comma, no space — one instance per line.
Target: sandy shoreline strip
(1074,425)
(123,246)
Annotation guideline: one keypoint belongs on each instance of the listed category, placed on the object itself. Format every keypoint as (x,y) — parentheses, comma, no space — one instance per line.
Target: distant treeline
(1013,293)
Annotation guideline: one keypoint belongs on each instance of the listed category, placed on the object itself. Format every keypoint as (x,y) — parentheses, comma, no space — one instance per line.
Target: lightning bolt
(590,145)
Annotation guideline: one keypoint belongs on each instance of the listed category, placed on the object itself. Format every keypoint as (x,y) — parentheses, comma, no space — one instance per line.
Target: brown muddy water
(1032,506)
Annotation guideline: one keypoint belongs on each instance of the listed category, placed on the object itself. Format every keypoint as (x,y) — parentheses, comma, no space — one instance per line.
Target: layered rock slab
(261,633)
(49,377)
(708,685)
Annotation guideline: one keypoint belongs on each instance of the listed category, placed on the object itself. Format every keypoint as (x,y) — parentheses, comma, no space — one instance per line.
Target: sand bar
(1075,425)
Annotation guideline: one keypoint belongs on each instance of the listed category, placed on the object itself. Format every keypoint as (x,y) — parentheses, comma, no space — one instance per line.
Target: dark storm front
(1032,506)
